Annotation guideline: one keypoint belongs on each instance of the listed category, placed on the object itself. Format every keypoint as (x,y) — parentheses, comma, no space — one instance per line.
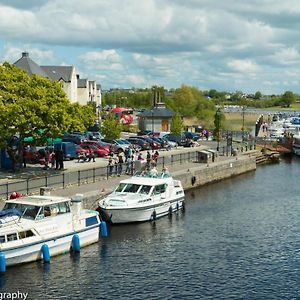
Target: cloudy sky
(245,45)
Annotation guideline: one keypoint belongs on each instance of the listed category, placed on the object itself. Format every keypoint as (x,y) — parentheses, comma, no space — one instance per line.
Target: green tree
(111,127)
(176,126)
(288,98)
(219,120)
(257,95)
(30,106)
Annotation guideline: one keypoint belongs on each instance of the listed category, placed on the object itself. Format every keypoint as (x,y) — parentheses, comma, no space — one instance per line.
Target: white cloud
(12,53)
(227,45)
(243,66)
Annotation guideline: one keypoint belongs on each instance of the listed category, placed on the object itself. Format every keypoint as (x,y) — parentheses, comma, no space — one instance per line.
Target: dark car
(75,138)
(139,142)
(153,144)
(163,142)
(180,139)
(191,135)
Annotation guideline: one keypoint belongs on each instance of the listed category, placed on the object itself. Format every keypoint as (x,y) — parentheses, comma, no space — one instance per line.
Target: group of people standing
(129,157)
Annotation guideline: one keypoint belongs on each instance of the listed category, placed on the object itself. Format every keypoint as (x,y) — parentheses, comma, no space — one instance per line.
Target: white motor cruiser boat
(38,227)
(143,197)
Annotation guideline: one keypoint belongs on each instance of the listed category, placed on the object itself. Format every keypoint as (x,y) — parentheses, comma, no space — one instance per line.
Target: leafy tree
(288,98)
(31,106)
(219,123)
(111,127)
(176,126)
(257,95)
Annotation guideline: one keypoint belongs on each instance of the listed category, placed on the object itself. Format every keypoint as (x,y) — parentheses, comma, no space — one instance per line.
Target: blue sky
(210,44)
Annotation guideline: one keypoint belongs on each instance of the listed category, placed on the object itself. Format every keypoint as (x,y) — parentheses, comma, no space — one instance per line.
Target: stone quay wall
(202,174)
(196,175)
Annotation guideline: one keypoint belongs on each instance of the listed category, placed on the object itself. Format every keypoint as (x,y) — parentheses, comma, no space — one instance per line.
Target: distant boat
(33,227)
(296,145)
(143,197)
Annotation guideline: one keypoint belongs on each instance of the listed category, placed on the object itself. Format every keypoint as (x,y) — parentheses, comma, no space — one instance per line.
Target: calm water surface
(238,239)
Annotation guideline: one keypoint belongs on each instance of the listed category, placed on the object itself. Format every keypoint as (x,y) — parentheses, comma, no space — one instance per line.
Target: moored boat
(143,197)
(38,227)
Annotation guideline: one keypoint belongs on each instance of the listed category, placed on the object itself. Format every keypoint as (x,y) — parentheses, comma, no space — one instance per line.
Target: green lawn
(234,121)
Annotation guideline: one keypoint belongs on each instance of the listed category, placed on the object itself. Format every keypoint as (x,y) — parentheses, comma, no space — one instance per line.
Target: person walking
(120,164)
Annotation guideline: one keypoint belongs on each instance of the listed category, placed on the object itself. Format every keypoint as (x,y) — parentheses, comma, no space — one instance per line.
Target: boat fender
(193,180)
(177,206)
(170,210)
(2,263)
(76,243)
(154,215)
(45,253)
(103,229)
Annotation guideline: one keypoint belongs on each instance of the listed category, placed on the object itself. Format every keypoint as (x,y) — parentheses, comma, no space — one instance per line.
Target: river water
(238,239)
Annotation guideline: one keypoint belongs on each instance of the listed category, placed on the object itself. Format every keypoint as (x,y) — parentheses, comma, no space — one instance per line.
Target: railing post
(46,181)
(180,158)
(27,187)
(94,179)
(78,178)
(7,190)
(63,181)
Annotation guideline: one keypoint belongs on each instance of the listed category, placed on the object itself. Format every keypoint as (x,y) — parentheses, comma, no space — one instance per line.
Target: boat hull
(119,215)
(57,245)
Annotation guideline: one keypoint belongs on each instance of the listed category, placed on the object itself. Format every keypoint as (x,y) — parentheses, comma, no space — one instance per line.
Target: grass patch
(234,121)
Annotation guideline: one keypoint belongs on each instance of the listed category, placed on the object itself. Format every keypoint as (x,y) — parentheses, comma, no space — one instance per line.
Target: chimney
(25,54)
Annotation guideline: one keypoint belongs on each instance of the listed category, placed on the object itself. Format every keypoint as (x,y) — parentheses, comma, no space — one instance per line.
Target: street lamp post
(218,129)
(243,126)
(152,119)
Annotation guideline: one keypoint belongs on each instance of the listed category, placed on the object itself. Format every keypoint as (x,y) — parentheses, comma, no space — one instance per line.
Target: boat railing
(150,174)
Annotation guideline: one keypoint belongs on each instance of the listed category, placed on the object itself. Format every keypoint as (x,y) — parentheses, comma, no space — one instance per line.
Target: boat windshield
(131,188)
(28,211)
(120,187)
(145,189)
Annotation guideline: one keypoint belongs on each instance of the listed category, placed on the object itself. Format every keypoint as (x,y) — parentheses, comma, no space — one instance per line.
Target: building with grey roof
(28,65)
(77,89)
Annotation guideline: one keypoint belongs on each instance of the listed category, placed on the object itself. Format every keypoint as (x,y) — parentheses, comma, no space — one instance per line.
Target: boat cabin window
(131,188)
(120,187)
(159,189)
(12,237)
(55,209)
(28,211)
(145,189)
(25,234)
(2,239)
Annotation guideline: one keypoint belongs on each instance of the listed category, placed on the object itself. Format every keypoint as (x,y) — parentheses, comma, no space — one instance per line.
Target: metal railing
(63,180)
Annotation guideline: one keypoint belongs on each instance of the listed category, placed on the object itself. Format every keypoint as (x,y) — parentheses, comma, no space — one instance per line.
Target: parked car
(144,132)
(81,151)
(191,135)
(181,140)
(163,142)
(118,146)
(140,142)
(98,152)
(93,135)
(75,138)
(99,144)
(153,144)
(128,144)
